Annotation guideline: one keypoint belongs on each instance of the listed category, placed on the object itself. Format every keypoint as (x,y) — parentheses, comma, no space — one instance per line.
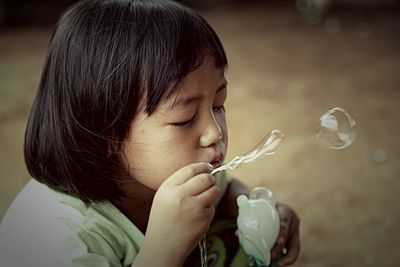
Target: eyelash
(219,109)
(183,123)
(187,123)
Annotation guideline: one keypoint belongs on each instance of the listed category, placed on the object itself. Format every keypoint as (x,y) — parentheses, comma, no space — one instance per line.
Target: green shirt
(46,228)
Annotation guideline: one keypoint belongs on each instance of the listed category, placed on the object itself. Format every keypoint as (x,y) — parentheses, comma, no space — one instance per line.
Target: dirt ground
(284,73)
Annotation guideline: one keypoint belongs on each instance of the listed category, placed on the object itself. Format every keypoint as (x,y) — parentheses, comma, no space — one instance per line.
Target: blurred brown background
(290,61)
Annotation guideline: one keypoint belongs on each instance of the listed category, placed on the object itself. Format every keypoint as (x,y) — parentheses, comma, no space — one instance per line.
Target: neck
(137,204)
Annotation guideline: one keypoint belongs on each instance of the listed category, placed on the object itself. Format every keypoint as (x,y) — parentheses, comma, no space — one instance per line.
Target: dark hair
(105,59)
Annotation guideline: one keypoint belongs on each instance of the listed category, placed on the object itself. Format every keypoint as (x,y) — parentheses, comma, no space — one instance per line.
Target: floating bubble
(378,155)
(312,9)
(337,129)
(332,25)
(363,30)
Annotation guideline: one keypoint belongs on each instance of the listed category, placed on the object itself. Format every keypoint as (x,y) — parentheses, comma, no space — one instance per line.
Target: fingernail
(210,166)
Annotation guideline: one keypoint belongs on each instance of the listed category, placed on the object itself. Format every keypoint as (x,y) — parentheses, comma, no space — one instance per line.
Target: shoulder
(45,228)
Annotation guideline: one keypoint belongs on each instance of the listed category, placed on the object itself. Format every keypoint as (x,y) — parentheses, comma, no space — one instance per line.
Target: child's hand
(288,241)
(182,211)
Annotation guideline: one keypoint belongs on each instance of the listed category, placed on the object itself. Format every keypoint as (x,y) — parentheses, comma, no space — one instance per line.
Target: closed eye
(219,108)
(183,123)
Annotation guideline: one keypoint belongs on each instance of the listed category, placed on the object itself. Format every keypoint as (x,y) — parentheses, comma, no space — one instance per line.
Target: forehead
(205,81)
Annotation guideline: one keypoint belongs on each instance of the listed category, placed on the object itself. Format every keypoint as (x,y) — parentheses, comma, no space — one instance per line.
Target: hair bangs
(179,39)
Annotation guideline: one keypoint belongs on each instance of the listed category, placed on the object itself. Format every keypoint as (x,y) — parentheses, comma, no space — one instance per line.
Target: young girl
(127,124)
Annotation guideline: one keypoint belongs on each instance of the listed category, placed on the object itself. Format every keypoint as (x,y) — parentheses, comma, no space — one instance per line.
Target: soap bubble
(312,10)
(266,147)
(337,129)
(332,25)
(378,155)
(363,30)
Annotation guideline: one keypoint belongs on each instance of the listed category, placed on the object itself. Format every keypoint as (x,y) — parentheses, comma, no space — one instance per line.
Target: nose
(212,132)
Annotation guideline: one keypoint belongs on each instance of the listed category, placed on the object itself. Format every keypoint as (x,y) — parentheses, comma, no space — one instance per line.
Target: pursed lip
(217,160)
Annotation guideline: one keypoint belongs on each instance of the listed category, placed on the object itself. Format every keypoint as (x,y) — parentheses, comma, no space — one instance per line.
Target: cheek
(149,164)
(224,128)
(140,159)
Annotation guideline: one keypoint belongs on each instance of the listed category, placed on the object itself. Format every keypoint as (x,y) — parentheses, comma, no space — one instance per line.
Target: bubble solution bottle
(258,225)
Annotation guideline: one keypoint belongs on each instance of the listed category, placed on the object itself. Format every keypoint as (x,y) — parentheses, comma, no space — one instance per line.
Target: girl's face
(188,127)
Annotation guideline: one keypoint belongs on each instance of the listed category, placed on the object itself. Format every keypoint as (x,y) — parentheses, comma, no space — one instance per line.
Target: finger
(199,184)
(209,213)
(209,196)
(285,221)
(280,242)
(293,248)
(185,173)
(293,242)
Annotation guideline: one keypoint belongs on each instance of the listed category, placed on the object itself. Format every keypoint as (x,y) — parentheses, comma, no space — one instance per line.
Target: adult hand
(288,242)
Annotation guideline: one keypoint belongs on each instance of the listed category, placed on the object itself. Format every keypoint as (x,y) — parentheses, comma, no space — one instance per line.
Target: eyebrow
(185,101)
